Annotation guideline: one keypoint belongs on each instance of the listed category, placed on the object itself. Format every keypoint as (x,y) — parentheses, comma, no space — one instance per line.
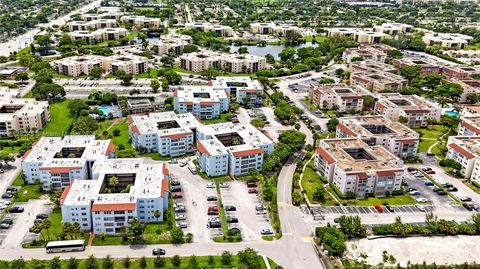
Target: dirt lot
(441,250)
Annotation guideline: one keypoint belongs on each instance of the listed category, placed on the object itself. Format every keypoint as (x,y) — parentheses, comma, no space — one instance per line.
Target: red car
(379,208)
(251,184)
(213,208)
(252,191)
(176,195)
(430,172)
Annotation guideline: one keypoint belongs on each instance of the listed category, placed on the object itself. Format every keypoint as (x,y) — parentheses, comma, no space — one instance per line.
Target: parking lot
(249,222)
(356,210)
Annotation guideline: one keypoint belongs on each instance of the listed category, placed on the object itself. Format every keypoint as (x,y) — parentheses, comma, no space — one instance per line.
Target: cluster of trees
(211,39)
(290,141)
(334,239)
(434,225)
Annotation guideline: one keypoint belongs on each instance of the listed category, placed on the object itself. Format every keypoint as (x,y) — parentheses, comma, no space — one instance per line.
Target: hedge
(476,184)
(340,194)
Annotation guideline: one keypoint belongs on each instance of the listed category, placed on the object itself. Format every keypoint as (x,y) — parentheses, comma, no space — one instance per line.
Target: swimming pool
(115,110)
(452,114)
(105,110)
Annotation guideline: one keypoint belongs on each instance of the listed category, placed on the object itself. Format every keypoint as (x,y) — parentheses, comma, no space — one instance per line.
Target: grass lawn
(26,191)
(202,262)
(473,187)
(152,73)
(120,124)
(311,181)
(224,117)
(155,233)
(177,68)
(60,118)
(434,131)
(424,145)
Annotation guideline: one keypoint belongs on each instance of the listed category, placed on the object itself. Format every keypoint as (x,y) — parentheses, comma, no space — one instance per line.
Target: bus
(65,246)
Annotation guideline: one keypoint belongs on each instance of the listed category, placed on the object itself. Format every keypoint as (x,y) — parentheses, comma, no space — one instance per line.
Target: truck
(191,166)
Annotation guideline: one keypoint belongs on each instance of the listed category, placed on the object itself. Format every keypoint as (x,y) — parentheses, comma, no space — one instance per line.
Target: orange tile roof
(247,152)
(61,169)
(65,193)
(409,141)
(416,110)
(325,155)
(388,173)
(345,129)
(25,155)
(165,169)
(135,129)
(249,91)
(164,187)
(208,103)
(187,103)
(111,147)
(130,120)
(462,151)
(113,207)
(201,148)
(470,127)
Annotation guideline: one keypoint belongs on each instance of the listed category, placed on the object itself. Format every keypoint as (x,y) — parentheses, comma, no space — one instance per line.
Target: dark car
(158,251)
(230,208)
(214,224)
(176,189)
(211,198)
(174,183)
(447,185)
(252,191)
(11,189)
(42,216)
(176,195)
(441,192)
(436,189)
(8,221)
(468,206)
(7,195)
(411,169)
(232,220)
(465,199)
(212,213)
(452,189)
(389,208)
(16,209)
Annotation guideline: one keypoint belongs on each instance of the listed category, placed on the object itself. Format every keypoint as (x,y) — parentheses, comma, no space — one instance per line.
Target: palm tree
(432,222)
(113,182)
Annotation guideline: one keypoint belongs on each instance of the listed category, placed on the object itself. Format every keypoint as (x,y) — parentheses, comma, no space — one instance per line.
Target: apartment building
(205,102)
(447,40)
(378,81)
(378,130)
(369,53)
(470,126)
(372,67)
(82,65)
(140,106)
(468,86)
(21,114)
(142,21)
(100,207)
(167,133)
(208,27)
(100,35)
(57,161)
(358,35)
(393,28)
(235,63)
(340,96)
(356,167)
(466,151)
(171,44)
(263,28)
(226,148)
(91,25)
(429,67)
(460,72)
(103,13)
(415,110)
(240,89)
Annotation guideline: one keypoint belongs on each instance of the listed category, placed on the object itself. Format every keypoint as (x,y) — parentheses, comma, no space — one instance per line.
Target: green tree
(167,60)
(76,106)
(159,262)
(91,263)
(249,258)
(55,263)
(269,58)
(190,48)
(368,102)
(22,76)
(352,226)
(226,258)
(142,263)
(47,91)
(410,72)
(332,124)
(293,138)
(287,54)
(72,263)
(135,229)
(192,262)
(96,72)
(126,262)
(155,85)
(85,125)
(475,218)
(473,98)
(243,50)
(113,182)
(332,239)
(258,123)
(209,73)
(107,263)
(176,261)
(176,235)
(319,194)
(43,75)
(18,264)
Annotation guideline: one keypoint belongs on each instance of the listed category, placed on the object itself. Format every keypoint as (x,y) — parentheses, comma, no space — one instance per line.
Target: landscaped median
(228,236)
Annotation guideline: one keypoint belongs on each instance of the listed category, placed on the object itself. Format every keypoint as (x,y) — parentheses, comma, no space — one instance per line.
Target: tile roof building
(470,126)
(205,102)
(171,44)
(101,207)
(466,151)
(235,63)
(340,96)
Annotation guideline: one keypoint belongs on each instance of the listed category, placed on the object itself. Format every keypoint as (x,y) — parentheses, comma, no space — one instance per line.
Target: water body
(271,49)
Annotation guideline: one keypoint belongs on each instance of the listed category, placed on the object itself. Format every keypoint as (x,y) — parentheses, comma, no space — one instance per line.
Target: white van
(192,167)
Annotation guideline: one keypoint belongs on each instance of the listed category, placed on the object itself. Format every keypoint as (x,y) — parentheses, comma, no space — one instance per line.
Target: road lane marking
(307,239)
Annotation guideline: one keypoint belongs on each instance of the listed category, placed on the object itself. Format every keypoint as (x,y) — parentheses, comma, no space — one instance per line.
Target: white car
(178,205)
(224,185)
(421,200)
(266,231)
(414,193)
(210,185)
(213,219)
(180,217)
(181,224)
(420,207)
(261,212)
(184,162)
(173,161)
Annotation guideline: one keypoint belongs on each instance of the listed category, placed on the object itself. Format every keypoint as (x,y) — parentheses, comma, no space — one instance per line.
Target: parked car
(182,225)
(173,161)
(11,189)
(266,231)
(447,185)
(180,209)
(261,212)
(379,208)
(174,183)
(410,189)
(421,200)
(214,224)
(260,207)
(252,191)
(7,195)
(232,220)
(465,199)
(42,216)
(420,207)
(452,189)
(468,206)
(210,185)
(230,208)
(251,184)
(223,185)
(213,208)
(430,172)
(212,213)
(182,163)
(180,217)
(435,189)
(4,226)
(8,221)
(414,193)
(158,251)
(390,208)
(175,205)
(442,193)
(16,209)
(411,169)
(211,198)
(176,189)
(177,195)
(428,183)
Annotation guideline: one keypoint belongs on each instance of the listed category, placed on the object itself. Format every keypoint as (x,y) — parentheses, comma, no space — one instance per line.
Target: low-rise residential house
(413,110)
(355,167)
(141,190)
(378,130)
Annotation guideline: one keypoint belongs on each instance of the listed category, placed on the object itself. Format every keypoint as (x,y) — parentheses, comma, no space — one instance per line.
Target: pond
(271,49)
